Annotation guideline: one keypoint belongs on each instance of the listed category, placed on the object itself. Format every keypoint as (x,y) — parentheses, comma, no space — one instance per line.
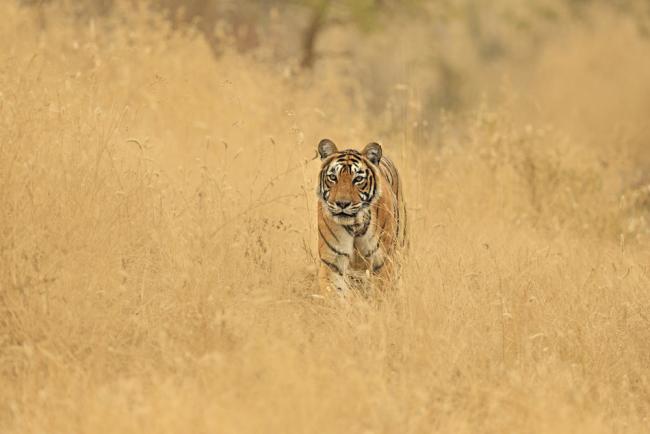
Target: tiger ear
(372,152)
(326,147)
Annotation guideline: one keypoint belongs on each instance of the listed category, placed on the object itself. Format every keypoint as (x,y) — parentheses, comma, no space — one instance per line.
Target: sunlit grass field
(158,234)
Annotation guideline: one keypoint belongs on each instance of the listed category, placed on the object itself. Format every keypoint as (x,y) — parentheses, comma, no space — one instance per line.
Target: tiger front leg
(383,268)
(332,279)
(335,248)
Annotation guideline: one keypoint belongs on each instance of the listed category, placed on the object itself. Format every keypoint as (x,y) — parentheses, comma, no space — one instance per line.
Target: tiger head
(349,181)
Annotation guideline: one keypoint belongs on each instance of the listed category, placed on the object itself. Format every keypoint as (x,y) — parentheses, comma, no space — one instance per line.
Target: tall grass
(157,260)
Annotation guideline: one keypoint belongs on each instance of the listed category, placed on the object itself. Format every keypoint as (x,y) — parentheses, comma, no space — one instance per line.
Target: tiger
(361,217)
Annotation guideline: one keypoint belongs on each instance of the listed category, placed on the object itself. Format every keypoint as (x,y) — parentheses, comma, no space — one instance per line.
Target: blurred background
(580,65)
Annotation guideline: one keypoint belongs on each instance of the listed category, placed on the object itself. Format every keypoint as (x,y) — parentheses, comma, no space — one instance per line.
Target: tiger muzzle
(344,208)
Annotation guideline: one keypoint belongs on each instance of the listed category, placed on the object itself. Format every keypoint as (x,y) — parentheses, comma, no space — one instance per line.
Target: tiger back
(361,217)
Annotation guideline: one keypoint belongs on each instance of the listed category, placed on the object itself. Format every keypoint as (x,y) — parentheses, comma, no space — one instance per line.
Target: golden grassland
(157,260)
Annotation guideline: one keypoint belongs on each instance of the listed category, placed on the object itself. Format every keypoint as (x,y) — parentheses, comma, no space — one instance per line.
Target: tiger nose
(343,203)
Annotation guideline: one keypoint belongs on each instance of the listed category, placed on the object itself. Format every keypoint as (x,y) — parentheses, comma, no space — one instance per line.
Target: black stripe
(373,186)
(323,180)
(332,267)
(332,248)
(330,229)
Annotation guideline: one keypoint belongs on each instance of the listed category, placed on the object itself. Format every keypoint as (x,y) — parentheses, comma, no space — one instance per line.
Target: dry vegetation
(157,234)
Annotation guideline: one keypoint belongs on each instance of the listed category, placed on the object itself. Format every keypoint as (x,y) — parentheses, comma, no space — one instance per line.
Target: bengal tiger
(361,217)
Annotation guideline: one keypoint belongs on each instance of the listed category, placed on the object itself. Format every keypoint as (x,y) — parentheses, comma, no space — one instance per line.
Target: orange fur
(361,217)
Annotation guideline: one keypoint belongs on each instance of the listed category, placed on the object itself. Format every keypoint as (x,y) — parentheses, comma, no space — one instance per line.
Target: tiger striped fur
(361,217)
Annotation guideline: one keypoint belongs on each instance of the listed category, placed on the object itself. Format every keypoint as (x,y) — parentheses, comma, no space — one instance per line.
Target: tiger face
(348,181)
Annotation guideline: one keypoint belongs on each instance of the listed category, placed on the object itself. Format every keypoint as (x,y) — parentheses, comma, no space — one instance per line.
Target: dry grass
(157,235)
